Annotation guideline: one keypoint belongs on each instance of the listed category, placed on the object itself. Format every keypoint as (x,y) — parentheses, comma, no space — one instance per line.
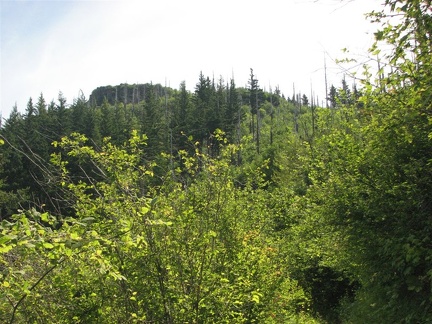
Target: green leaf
(48,245)
(4,239)
(5,248)
(44,217)
(88,220)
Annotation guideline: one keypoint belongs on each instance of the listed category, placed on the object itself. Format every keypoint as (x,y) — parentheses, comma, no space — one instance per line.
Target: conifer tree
(182,121)
(79,115)
(232,112)
(202,100)
(60,117)
(305,100)
(41,106)
(152,122)
(30,110)
(12,132)
(254,93)
(108,120)
(332,96)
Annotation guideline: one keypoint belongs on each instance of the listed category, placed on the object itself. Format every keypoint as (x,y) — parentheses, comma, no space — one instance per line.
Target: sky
(73,46)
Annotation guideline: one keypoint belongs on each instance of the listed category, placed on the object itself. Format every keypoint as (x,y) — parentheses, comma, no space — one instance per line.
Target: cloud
(84,44)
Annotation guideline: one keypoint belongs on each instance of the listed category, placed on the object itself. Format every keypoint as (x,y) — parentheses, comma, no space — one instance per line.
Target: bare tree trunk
(258,124)
(271,117)
(325,80)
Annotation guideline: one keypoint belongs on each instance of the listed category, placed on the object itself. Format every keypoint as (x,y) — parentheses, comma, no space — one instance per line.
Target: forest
(226,204)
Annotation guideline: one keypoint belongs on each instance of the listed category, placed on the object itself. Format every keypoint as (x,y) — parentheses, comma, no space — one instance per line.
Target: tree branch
(33,287)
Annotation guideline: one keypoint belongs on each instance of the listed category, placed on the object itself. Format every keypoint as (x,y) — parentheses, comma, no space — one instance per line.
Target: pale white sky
(68,46)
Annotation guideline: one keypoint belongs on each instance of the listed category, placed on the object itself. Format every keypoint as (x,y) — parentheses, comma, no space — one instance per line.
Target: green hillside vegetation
(147,204)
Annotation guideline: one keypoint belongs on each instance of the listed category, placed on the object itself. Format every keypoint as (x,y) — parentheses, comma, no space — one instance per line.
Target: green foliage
(366,209)
(195,249)
(36,245)
(315,215)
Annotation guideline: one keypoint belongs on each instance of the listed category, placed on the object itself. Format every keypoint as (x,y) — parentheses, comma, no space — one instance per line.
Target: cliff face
(123,93)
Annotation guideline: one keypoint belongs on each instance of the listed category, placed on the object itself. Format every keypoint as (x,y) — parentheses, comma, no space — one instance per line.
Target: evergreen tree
(12,132)
(153,120)
(121,129)
(254,108)
(94,125)
(202,101)
(60,117)
(182,121)
(41,106)
(108,120)
(332,96)
(30,110)
(232,112)
(305,100)
(345,94)
(79,114)
(51,107)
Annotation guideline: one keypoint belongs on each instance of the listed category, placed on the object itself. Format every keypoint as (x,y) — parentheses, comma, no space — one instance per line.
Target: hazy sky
(68,46)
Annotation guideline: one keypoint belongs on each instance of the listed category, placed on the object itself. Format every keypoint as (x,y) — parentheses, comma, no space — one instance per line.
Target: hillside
(147,204)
